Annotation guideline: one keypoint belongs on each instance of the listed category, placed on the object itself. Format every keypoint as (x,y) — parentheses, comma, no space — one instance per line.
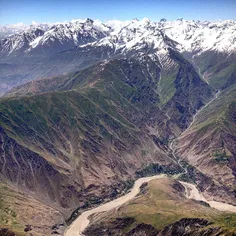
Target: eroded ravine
(172,143)
(82,222)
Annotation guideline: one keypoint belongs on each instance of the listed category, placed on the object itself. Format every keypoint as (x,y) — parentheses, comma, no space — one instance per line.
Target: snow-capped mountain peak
(189,35)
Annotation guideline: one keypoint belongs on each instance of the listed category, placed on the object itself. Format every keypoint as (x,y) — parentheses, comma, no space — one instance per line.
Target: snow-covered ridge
(11,29)
(202,36)
(189,35)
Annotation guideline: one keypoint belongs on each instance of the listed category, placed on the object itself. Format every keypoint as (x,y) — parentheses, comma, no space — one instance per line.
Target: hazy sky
(26,11)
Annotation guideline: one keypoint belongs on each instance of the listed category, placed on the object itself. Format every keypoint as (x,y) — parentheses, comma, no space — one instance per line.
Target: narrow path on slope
(172,143)
(199,111)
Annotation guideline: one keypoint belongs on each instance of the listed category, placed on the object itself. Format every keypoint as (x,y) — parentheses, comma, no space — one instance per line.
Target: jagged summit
(191,35)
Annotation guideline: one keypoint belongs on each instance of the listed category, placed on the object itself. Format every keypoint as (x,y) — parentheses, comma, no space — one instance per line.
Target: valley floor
(191,192)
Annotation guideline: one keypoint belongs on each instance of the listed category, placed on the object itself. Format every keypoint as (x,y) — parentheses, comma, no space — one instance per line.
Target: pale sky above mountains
(26,11)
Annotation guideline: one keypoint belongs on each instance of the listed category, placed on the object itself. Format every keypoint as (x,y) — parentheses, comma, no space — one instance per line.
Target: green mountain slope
(74,141)
(219,69)
(209,144)
(162,209)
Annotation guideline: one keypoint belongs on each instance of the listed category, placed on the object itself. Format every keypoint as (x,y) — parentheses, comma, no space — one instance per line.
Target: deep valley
(87,108)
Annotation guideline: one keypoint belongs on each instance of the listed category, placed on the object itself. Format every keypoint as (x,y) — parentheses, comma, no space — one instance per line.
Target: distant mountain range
(191,36)
(43,50)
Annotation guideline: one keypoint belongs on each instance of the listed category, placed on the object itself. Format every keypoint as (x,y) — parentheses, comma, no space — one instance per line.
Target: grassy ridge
(211,140)
(93,128)
(218,68)
(163,203)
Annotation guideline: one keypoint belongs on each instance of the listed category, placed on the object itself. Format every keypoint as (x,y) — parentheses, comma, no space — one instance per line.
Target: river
(82,222)
(193,193)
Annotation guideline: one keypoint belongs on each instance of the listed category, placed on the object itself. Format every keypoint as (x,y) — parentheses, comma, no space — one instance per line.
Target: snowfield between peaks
(189,35)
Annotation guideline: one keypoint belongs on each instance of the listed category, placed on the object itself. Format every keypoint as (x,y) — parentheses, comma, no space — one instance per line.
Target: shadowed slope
(209,144)
(93,130)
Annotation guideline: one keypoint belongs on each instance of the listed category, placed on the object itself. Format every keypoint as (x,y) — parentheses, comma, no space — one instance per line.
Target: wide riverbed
(82,222)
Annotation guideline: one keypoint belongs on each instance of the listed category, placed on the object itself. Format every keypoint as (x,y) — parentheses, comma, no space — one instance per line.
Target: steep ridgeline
(54,38)
(190,92)
(218,68)
(209,144)
(73,141)
(7,31)
(41,51)
(189,35)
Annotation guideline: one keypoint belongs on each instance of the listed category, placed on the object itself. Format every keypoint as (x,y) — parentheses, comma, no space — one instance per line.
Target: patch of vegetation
(226,221)
(223,78)
(159,207)
(167,87)
(163,204)
(154,169)
(8,217)
(219,68)
(220,156)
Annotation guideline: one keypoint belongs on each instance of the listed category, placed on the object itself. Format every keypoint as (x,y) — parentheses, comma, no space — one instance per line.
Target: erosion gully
(82,222)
